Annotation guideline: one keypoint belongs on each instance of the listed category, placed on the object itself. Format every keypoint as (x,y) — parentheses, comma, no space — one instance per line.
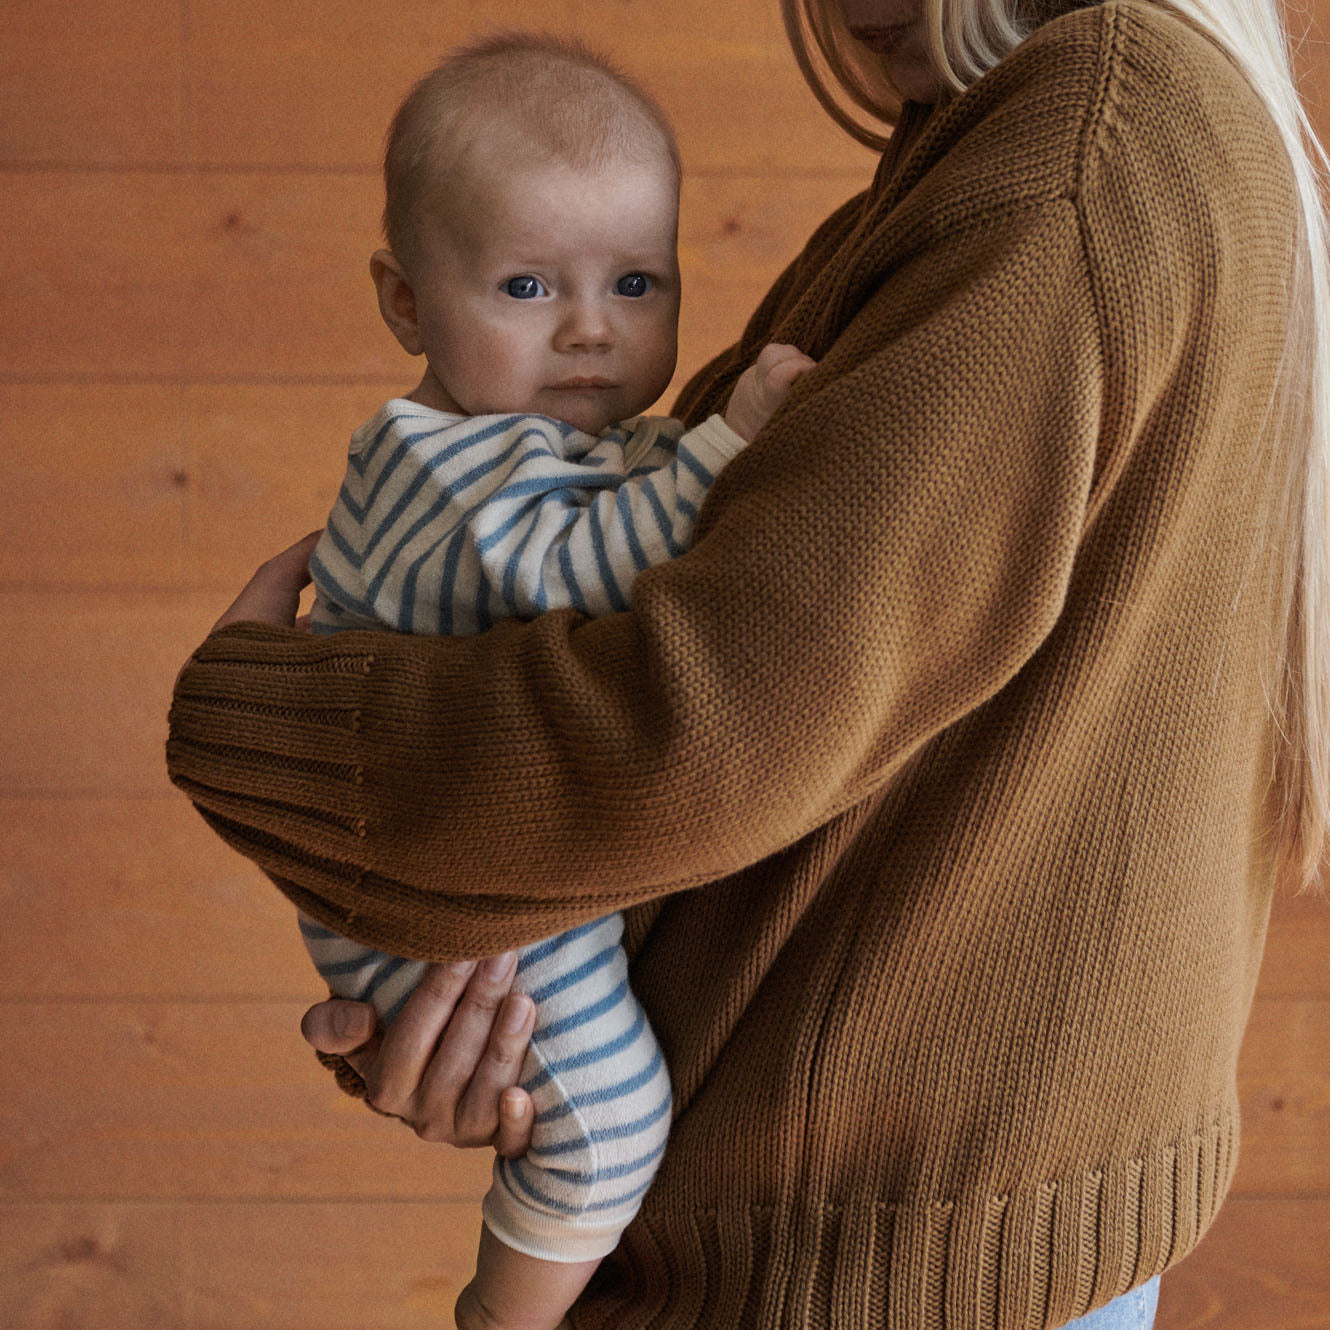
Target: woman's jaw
(897,37)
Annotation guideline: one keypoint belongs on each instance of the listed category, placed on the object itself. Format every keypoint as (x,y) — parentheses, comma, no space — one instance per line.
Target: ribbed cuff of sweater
(287,778)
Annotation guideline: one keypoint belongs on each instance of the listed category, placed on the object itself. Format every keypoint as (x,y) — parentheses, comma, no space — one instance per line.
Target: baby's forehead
(511,149)
(533,193)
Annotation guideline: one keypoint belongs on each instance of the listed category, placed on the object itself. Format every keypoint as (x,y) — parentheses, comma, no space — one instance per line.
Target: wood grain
(1261,1267)
(190,191)
(97,494)
(190,1100)
(1284,1086)
(251,1266)
(322,91)
(198,276)
(135,898)
(103,87)
(94,671)
(1297,948)
(266,464)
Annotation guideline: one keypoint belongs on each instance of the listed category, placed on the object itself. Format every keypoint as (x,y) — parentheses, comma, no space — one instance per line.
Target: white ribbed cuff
(565,1239)
(714,443)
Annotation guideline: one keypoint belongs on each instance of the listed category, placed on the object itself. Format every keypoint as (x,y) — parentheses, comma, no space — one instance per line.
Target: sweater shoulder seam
(1110,32)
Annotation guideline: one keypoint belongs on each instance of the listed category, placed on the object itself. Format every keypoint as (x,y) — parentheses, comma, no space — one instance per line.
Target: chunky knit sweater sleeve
(886,555)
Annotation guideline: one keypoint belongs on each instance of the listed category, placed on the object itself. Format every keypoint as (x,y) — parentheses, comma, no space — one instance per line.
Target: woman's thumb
(338,1026)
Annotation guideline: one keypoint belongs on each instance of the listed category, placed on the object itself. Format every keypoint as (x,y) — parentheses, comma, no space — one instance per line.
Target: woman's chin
(915,80)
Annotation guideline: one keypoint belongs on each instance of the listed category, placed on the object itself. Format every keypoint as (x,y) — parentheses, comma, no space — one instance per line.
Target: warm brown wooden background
(188,197)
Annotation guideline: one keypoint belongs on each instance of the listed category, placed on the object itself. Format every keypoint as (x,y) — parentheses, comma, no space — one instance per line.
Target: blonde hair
(514,93)
(966,39)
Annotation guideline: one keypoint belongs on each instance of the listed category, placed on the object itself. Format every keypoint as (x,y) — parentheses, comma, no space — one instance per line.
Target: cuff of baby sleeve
(714,443)
(566,1239)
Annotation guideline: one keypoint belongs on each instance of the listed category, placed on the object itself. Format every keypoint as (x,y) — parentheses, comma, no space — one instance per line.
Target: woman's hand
(272,595)
(448,1065)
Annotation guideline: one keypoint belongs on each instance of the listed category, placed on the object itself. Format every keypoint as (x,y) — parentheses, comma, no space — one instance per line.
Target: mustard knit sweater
(936,768)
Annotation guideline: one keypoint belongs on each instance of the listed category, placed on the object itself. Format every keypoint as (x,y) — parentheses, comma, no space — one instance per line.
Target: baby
(532,209)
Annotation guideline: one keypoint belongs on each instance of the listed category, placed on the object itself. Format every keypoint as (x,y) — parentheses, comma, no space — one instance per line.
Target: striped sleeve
(446,524)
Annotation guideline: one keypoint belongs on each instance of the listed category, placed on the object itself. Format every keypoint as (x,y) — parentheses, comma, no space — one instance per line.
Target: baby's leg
(513,1291)
(602,1097)
(361,973)
(601,1091)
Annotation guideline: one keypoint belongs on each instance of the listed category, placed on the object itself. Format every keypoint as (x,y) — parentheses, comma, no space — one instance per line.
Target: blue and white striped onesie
(445,524)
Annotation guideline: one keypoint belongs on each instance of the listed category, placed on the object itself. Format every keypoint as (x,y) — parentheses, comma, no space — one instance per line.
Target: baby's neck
(430,392)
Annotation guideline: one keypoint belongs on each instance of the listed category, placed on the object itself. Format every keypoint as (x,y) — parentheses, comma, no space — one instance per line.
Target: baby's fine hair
(530,93)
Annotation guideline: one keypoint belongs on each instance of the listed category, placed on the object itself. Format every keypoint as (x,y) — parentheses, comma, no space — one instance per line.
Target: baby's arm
(448,526)
(513,1291)
(587,550)
(762,388)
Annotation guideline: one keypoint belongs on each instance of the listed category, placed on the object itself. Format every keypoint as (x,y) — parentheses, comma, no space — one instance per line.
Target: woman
(951,771)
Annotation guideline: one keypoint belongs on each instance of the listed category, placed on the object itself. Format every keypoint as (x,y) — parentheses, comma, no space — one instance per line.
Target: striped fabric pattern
(594,1071)
(601,1091)
(446,524)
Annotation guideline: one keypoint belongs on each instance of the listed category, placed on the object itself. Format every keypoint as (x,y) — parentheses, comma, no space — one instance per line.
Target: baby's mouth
(583,383)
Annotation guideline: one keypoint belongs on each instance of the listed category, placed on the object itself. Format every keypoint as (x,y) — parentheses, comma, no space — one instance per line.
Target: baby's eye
(633,284)
(525,287)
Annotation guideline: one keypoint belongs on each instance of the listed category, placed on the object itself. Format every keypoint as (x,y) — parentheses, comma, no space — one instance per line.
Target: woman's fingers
(338,1026)
(272,595)
(517,1116)
(496,1075)
(394,1083)
(450,1061)
(462,1055)
(348,1028)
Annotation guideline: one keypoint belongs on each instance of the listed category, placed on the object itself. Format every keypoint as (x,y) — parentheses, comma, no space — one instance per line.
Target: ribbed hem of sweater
(1037,1257)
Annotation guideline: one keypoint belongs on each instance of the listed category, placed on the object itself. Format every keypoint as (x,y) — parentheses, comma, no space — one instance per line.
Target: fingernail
(498,968)
(512,1104)
(514,1015)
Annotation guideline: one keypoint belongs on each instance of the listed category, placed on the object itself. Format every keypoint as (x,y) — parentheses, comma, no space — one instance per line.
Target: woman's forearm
(881,562)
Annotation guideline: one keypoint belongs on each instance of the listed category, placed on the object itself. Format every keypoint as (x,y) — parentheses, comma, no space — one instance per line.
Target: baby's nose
(584,327)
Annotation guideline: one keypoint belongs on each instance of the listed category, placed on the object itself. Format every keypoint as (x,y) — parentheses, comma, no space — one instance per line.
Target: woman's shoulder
(1136,48)
(1125,78)
(1162,70)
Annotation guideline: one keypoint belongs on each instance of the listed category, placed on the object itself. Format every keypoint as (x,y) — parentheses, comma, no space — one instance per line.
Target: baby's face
(552,290)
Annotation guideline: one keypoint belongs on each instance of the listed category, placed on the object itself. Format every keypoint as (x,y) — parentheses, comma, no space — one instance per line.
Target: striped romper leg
(595,1073)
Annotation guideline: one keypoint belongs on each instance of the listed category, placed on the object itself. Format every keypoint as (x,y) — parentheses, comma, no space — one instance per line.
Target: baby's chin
(589,424)
(591,417)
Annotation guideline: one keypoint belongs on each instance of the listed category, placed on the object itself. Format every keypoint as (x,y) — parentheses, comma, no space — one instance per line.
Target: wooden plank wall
(189,195)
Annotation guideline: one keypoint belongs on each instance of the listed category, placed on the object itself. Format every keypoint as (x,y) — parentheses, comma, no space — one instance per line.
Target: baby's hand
(762,388)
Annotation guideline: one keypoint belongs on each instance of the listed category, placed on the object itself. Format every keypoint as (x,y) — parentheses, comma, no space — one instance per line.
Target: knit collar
(909,126)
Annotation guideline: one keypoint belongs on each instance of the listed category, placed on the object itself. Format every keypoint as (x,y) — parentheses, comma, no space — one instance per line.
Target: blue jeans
(1132,1311)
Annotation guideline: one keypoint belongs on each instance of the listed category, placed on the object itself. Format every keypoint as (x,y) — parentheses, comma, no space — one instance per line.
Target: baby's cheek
(488,368)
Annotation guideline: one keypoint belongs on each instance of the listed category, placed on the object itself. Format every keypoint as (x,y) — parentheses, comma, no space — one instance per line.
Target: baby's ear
(397,300)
